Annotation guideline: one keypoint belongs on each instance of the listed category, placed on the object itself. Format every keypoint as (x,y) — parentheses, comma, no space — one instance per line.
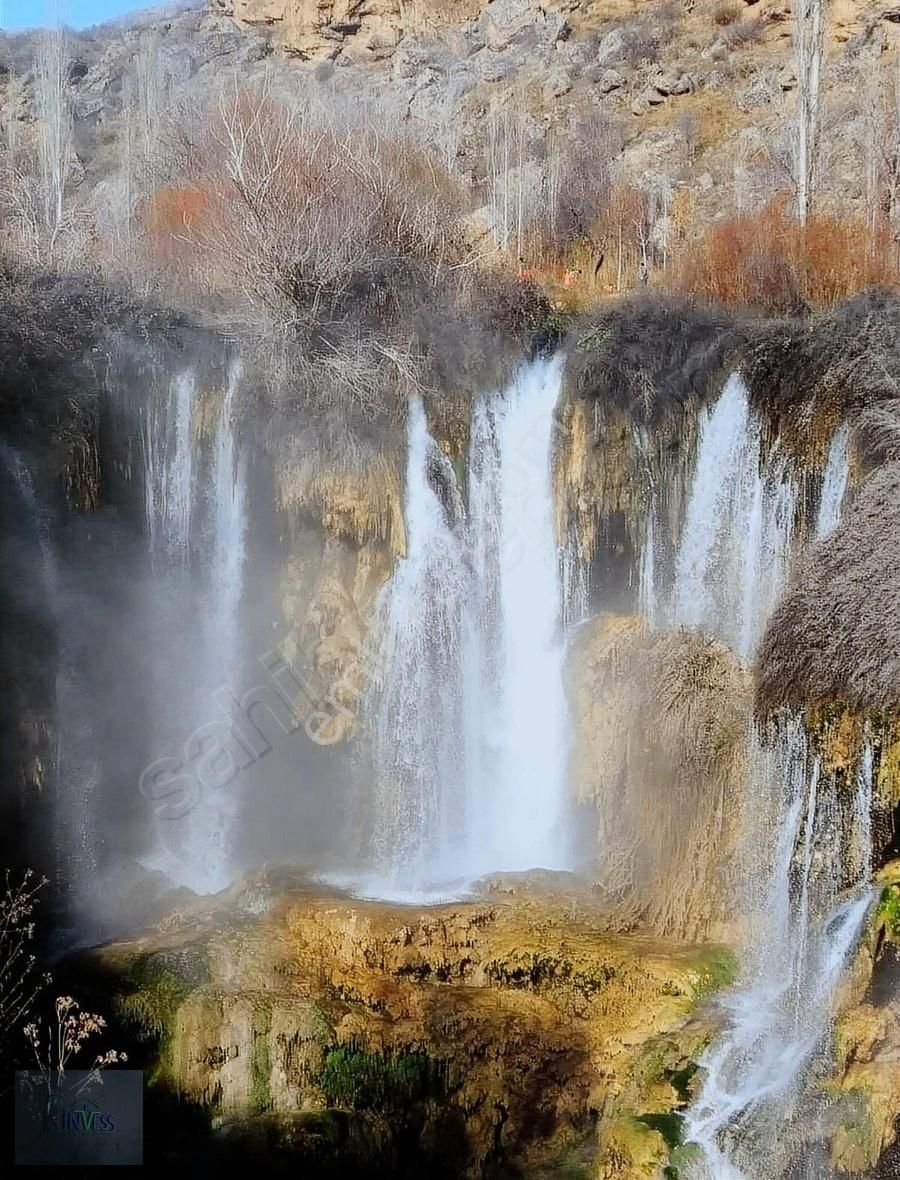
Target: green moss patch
(669,1124)
(159,989)
(355,1079)
(887,916)
(717,969)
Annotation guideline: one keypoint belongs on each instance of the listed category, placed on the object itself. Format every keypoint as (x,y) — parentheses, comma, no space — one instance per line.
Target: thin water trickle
(834,481)
(169,476)
(648,603)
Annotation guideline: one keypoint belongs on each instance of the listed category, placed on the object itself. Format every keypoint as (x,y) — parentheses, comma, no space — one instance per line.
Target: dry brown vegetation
(665,721)
(337,243)
(769,261)
(835,637)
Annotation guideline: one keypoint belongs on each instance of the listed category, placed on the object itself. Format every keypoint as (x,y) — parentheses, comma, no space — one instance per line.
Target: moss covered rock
(488,1032)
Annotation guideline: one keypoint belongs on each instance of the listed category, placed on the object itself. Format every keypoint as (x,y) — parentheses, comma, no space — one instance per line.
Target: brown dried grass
(769,261)
(835,636)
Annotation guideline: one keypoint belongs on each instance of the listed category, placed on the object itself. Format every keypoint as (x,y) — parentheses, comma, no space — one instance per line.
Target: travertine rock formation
(498,1027)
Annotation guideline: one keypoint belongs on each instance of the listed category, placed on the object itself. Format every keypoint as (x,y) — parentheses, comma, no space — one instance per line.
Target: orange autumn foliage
(771,261)
(176,213)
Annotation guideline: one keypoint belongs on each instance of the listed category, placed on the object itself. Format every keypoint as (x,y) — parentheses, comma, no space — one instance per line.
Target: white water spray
(196,517)
(735,545)
(471,743)
(759,1073)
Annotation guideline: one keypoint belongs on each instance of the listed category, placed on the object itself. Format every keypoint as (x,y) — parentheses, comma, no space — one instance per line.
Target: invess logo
(87,1118)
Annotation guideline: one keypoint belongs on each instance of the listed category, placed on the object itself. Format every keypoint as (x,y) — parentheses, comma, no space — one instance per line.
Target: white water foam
(735,546)
(470,714)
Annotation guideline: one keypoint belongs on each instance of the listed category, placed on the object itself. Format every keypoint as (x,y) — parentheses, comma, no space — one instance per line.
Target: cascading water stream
(834,481)
(731,564)
(470,714)
(208,839)
(526,827)
(759,1072)
(196,518)
(417,721)
(733,553)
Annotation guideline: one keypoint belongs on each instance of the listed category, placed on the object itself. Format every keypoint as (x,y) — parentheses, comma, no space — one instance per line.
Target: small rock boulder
(610,80)
(558,83)
(669,82)
(611,48)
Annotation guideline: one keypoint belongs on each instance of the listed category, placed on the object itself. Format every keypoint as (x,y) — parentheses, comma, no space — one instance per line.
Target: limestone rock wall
(371,28)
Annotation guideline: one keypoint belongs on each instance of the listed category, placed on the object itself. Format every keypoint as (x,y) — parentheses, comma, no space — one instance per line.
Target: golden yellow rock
(521,1010)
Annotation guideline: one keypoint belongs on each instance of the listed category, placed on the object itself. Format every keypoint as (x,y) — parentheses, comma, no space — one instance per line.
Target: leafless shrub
(725,13)
(299,218)
(20,980)
(645,37)
(580,182)
(56,1047)
(743,32)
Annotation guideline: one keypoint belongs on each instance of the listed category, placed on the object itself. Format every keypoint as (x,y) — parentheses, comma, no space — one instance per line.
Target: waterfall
(208,840)
(526,827)
(169,457)
(196,518)
(732,557)
(418,717)
(731,562)
(759,1072)
(470,713)
(647,590)
(834,481)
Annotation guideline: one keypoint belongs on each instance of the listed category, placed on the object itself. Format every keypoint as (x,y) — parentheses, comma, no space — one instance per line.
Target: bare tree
(55,149)
(42,173)
(809,51)
(880,87)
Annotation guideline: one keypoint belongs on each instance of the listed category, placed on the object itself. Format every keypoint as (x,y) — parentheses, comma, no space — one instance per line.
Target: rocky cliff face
(698,91)
(374,28)
(363,28)
(688,103)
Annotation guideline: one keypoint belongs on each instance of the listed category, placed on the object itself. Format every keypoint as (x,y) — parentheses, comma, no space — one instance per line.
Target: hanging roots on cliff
(663,721)
(805,373)
(636,376)
(835,637)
